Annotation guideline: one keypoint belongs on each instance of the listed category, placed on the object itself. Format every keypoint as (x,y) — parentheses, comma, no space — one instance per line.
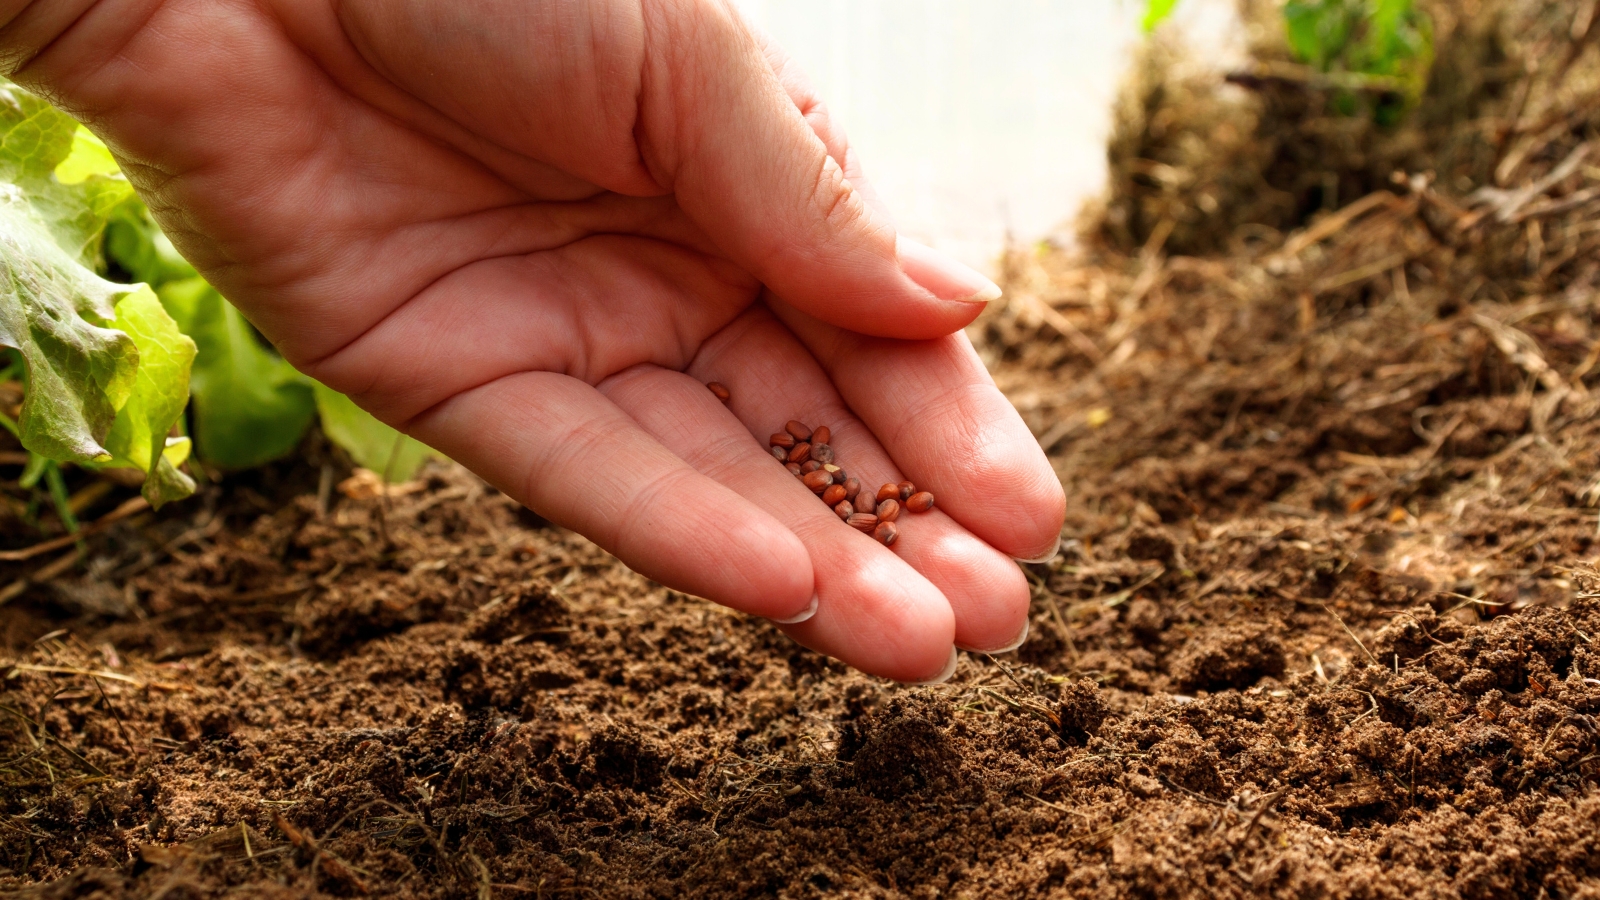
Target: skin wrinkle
(633,515)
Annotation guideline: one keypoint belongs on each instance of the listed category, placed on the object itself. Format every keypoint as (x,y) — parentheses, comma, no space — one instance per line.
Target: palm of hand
(534,270)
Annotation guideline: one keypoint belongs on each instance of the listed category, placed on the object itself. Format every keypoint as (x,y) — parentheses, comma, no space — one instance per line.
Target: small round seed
(852,487)
(800,452)
(794,469)
(865,503)
(889,491)
(821,435)
(886,533)
(780,454)
(834,495)
(720,391)
(906,490)
(821,452)
(782,439)
(920,502)
(888,510)
(817,481)
(862,522)
(800,432)
(844,510)
(809,466)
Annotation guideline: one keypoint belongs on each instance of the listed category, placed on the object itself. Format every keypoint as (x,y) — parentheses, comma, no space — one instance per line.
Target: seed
(794,469)
(889,491)
(886,533)
(845,510)
(865,503)
(821,435)
(780,454)
(720,391)
(834,495)
(809,466)
(817,481)
(800,432)
(821,452)
(862,522)
(800,452)
(906,490)
(852,487)
(782,439)
(888,510)
(920,502)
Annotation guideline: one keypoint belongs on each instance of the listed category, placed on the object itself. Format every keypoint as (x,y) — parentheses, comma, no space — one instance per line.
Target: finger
(873,610)
(558,446)
(938,412)
(774,379)
(806,99)
(717,126)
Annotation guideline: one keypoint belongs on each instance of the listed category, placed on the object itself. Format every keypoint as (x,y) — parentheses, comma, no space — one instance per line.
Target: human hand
(527,232)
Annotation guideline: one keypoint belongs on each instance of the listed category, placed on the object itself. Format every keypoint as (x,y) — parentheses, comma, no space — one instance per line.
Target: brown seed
(821,452)
(852,487)
(782,439)
(834,495)
(862,522)
(886,533)
(906,490)
(888,510)
(821,435)
(817,481)
(889,491)
(720,391)
(865,503)
(920,502)
(800,432)
(845,510)
(780,454)
(809,466)
(800,452)
(794,469)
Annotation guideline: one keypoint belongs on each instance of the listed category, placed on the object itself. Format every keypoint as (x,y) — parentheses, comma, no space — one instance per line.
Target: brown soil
(1324,626)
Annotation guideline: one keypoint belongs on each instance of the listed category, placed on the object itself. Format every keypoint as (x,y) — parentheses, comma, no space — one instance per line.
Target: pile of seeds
(809,457)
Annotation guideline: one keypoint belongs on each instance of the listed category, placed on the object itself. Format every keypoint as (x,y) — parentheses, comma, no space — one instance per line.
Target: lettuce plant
(109,369)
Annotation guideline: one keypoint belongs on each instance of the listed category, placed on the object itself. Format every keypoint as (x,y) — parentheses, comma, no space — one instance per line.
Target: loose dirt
(1324,625)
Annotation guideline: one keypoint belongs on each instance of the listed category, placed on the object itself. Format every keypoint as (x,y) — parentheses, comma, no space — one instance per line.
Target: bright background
(974,118)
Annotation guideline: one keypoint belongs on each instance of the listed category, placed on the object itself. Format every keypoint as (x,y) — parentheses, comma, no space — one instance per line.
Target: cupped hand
(526,232)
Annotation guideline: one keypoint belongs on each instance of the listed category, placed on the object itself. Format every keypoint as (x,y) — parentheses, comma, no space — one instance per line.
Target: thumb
(721,129)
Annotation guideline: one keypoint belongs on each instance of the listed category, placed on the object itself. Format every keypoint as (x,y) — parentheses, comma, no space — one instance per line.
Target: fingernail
(1054,549)
(944,673)
(804,614)
(1021,639)
(943,276)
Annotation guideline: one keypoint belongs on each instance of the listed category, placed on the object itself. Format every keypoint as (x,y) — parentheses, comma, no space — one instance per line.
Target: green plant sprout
(1380,38)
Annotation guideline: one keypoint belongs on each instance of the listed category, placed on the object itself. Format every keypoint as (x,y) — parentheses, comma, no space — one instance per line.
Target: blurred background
(977,118)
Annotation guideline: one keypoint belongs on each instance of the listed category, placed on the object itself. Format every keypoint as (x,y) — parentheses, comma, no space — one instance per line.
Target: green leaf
(369,442)
(250,406)
(57,314)
(1156,11)
(138,437)
(137,244)
(88,157)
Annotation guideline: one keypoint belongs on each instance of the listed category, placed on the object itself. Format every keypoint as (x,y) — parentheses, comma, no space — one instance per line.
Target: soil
(1324,626)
